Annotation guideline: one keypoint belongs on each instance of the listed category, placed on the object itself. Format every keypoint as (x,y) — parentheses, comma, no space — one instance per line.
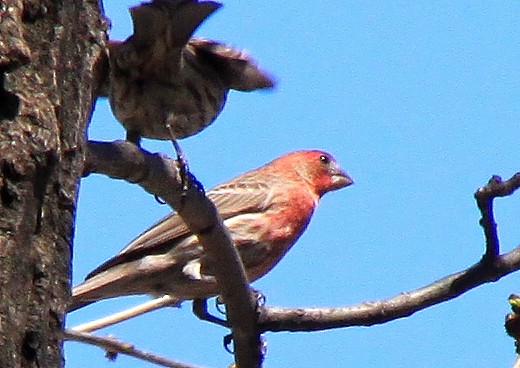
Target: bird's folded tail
(101,286)
(76,304)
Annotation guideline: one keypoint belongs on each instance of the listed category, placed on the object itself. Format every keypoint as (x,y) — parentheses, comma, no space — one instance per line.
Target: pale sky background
(419,102)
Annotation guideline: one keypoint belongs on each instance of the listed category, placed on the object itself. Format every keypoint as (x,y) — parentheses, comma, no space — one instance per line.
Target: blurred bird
(163,84)
(266,210)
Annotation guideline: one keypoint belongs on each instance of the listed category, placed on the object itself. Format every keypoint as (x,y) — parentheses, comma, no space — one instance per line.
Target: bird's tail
(104,285)
(77,303)
(175,19)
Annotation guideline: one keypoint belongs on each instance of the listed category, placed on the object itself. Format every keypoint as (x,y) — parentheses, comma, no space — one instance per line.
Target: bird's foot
(200,309)
(183,166)
(182,161)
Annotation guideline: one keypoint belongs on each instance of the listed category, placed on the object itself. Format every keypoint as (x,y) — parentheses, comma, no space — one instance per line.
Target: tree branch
(160,176)
(484,197)
(402,305)
(491,268)
(113,346)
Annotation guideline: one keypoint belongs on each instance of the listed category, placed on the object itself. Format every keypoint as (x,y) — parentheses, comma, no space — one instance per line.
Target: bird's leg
(200,309)
(134,136)
(181,159)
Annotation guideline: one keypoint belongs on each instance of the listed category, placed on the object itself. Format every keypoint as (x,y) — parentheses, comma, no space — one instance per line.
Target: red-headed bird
(163,84)
(266,210)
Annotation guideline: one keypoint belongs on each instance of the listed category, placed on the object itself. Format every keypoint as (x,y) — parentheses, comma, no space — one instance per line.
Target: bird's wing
(239,197)
(230,199)
(236,67)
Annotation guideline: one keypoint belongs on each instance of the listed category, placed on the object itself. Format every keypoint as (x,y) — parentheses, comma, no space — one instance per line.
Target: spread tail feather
(175,19)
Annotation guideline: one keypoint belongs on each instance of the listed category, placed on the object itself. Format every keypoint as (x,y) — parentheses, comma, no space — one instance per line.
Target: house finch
(164,84)
(266,210)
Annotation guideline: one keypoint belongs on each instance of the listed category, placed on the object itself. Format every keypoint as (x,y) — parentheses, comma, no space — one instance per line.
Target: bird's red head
(318,168)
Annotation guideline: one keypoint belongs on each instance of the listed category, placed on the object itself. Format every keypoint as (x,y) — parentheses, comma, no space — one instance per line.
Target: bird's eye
(325,159)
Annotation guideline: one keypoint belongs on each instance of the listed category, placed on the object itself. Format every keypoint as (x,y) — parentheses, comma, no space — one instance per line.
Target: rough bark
(51,53)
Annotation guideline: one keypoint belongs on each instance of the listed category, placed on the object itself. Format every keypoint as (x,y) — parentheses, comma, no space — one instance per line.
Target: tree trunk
(51,54)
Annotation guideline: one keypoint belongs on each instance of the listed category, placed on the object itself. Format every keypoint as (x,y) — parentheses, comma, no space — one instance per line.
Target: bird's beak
(340,178)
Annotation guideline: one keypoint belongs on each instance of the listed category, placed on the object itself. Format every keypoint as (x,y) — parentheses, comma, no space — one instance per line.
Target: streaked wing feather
(234,199)
(230,200)
(219,49)
(167,229)
(238,69)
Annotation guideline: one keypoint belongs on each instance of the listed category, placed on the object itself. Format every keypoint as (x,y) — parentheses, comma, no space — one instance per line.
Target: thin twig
(164,301)
(402,305)
(112,345)
(484,197)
